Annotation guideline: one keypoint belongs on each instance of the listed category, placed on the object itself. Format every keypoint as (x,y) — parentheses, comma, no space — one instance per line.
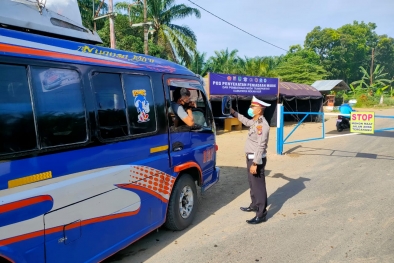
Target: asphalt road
(329,201)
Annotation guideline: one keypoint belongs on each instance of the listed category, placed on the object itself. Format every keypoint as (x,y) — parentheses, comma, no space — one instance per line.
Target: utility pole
(371,71)
(145,24)
(145,30)
(111,23)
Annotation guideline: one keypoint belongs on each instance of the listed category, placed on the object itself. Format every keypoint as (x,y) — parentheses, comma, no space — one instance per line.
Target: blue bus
(91,159)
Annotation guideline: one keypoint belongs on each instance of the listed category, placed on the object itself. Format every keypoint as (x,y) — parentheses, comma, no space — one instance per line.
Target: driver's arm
(189,120)
(186,116)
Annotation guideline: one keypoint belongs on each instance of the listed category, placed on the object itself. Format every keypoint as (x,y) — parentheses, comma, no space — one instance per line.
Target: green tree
(343,50)
(298,70)
(178,42)
(307,54)
(384,54)
(300,66)
(87,15)
(321,41)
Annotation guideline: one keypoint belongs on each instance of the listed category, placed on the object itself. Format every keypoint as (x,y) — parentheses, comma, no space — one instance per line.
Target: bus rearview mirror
(226,105)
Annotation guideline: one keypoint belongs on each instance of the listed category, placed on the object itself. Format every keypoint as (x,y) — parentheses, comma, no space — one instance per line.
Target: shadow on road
(335,132)
(277,199)
(387,134)
(301,150)
(233,182)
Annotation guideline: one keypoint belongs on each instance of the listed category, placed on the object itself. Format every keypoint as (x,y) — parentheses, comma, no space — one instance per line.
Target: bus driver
(181,107)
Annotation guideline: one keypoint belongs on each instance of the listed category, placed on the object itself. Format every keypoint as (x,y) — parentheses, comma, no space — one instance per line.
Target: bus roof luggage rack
(30,16)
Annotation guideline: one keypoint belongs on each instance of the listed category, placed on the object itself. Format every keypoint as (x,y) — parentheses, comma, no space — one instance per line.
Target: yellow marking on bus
(159,149)
(29,179)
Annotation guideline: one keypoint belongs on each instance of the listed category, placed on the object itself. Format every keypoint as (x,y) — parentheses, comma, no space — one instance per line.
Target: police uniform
(255,152)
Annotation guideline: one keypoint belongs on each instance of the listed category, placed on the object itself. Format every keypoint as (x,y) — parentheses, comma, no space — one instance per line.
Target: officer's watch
(254,164)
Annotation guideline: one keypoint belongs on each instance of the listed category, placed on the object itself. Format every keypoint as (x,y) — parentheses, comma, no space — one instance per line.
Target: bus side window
(140,103)
(17,129)
(201,113)
(111,106)
(59,104)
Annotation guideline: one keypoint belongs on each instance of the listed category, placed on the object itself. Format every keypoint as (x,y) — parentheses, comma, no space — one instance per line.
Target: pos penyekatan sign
(362,122)
(228,84)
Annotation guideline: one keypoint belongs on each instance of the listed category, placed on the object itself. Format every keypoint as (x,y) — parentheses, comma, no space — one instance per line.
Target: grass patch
(366,101)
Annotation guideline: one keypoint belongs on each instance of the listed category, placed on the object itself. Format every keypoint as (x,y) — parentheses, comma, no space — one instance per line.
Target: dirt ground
(329,201)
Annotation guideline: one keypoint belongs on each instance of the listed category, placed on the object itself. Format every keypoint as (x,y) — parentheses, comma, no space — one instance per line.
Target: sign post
(362,122)
(229,84)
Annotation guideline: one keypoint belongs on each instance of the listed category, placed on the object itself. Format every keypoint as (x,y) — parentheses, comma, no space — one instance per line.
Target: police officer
(256,151)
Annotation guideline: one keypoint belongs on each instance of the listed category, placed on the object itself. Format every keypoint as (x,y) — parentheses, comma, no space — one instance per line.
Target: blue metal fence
(384,117)
(280,127)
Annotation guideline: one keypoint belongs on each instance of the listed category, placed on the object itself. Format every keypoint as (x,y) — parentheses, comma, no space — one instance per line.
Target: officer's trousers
(258,191)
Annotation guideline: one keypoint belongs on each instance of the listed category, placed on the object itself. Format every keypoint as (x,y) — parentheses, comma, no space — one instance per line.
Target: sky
(280,22)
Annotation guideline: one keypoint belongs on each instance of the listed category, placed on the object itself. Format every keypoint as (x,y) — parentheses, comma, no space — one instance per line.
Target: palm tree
(258,66)
(179,42)
(225,61)
(198,64)
(272,63)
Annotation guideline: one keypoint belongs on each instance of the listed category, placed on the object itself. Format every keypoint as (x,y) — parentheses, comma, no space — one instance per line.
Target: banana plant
(356,90)
(379,91)
(378,79)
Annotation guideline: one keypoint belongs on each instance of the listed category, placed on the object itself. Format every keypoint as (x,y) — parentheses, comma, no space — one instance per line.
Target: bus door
(192,146)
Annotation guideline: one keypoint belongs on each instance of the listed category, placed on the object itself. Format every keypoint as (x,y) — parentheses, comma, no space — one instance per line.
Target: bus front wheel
(182,205)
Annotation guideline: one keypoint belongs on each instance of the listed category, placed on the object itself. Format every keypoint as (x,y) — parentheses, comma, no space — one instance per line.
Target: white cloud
(67,8)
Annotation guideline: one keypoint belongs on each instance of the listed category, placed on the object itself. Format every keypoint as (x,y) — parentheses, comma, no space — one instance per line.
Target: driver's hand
(192,104)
